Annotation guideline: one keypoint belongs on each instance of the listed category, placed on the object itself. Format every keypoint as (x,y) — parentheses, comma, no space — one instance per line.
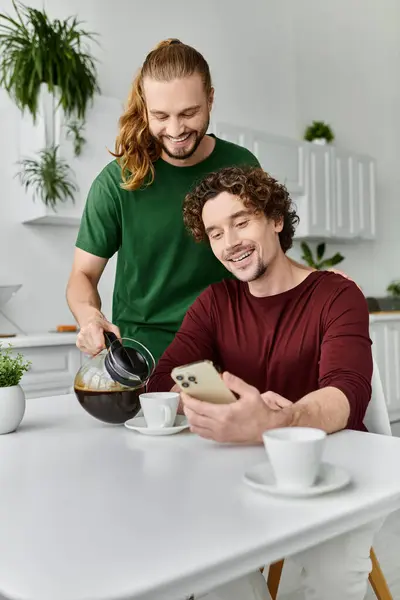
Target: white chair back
(376,418)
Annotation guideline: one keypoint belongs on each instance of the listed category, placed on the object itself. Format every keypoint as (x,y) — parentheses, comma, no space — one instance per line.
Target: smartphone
(202,381)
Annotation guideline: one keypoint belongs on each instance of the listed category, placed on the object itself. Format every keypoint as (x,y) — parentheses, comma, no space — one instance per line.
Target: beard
(195,137)
(257,272)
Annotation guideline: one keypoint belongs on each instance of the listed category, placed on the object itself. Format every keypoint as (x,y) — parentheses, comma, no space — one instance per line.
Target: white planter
(320,141)
(12,408)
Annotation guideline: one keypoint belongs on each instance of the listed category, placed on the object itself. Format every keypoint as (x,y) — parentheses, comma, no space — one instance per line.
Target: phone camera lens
(192,378)
(179,377)
(185,384)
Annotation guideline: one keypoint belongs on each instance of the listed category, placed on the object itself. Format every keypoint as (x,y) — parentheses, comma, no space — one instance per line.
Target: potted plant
(48,177)
(37,53)
(319,262)
(319,133)
(12,397)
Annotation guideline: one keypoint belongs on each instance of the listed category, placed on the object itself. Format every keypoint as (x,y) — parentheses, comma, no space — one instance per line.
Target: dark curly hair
(254,187)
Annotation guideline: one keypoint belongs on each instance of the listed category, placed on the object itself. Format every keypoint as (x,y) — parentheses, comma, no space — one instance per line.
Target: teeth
(179,139)
(242,256)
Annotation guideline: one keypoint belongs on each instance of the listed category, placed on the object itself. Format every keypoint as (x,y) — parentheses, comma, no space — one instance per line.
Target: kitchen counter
(40,339)
(390,315)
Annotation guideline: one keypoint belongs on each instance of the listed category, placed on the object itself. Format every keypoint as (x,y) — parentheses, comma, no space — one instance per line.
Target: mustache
(233,252)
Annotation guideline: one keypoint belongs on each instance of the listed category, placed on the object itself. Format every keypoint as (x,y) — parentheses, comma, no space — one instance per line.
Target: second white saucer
(330,478)
(139,424)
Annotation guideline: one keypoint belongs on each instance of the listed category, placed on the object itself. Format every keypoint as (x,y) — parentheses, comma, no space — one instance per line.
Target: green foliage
(12,367)
(48,177)
(318,262)
(319,129)
(36,50)
(75,129)
(394,288)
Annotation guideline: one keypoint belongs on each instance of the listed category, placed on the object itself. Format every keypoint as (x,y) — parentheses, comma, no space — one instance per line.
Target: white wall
(276,64)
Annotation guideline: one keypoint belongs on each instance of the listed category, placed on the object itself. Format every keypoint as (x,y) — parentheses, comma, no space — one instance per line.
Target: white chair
(376,420)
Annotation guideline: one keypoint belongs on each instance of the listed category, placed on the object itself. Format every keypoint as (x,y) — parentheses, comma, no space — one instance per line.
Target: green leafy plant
(319,262)
(12,367)
(317,130)
(75,129)
(394,288)
(36,50)
(48,177)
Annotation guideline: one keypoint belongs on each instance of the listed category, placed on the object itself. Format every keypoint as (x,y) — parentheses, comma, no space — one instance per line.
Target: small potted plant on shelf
(319,133)
(48,177)
(12,397)
(318,262)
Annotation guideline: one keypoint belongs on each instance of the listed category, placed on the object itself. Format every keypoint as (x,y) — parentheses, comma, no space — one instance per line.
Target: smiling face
(178,114)
(244,241)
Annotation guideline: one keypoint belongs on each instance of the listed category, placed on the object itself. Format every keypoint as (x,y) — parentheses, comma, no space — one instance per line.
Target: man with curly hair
(292,343)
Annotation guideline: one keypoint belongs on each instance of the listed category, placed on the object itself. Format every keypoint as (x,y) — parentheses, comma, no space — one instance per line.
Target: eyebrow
(188,109)
(236,215)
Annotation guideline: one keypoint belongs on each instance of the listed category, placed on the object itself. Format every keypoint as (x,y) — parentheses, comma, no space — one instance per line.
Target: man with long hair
(134,207)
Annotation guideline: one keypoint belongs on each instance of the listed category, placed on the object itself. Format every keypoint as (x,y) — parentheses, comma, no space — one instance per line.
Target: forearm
(327,409)
(83,298)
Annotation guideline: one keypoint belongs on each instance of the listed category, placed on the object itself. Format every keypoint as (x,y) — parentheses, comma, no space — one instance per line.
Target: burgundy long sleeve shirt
(312,336)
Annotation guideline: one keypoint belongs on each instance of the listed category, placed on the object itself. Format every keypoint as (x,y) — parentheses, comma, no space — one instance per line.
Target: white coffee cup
(295,454)
(159,408)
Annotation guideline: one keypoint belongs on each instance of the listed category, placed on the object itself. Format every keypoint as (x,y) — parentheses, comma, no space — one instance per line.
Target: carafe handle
(110,338)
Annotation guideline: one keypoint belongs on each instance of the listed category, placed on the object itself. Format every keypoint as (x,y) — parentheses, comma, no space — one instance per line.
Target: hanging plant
(319,130)
(48,177)
(319,262)
(35,50)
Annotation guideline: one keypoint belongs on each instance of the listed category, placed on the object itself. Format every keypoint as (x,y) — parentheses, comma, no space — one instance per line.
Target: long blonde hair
(135,149)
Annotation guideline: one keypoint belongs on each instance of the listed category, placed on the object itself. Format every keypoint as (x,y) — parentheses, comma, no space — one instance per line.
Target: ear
(279,225)
(211,99)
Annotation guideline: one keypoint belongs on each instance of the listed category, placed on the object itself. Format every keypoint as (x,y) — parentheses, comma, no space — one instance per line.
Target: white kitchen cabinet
(333,189)
(385,335)
(55,362)
(283,158)
(345,217)
(365,197)
(315,207)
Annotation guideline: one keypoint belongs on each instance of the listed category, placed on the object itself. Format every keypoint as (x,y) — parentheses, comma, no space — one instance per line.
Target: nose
(174,128)
(231,239)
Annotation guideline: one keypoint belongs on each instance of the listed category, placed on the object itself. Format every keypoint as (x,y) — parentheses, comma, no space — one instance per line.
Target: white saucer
(330,478)
(139,424)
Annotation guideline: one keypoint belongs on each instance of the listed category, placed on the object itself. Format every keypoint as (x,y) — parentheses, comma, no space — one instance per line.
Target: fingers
(239,386)
(275,401)
(90,339)
(199,407)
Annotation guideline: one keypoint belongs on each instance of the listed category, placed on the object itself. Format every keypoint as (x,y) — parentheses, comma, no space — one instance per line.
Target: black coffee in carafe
(113,407)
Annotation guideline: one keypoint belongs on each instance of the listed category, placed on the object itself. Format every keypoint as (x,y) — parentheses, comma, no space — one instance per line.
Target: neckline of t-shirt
(294,291)
(203,162)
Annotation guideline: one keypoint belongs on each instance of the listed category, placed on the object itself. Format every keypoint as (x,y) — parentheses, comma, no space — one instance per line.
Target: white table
(96,512)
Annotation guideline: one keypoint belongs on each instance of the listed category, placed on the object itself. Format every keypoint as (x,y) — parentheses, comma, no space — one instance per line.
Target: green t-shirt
(160,269)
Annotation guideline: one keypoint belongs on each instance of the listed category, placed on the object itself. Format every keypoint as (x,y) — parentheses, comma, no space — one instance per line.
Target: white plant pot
(320,141)
(12,408)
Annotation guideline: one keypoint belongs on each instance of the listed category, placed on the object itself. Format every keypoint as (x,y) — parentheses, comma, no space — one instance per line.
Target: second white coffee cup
(159,408)
(295,454)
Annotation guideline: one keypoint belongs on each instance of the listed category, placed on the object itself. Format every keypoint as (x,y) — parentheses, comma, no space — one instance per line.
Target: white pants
(334,570)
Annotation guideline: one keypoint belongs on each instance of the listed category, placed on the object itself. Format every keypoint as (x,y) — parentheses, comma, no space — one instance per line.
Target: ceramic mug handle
(167,415)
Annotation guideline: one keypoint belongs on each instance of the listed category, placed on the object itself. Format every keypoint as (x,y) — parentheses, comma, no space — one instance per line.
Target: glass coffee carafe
(108,385)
